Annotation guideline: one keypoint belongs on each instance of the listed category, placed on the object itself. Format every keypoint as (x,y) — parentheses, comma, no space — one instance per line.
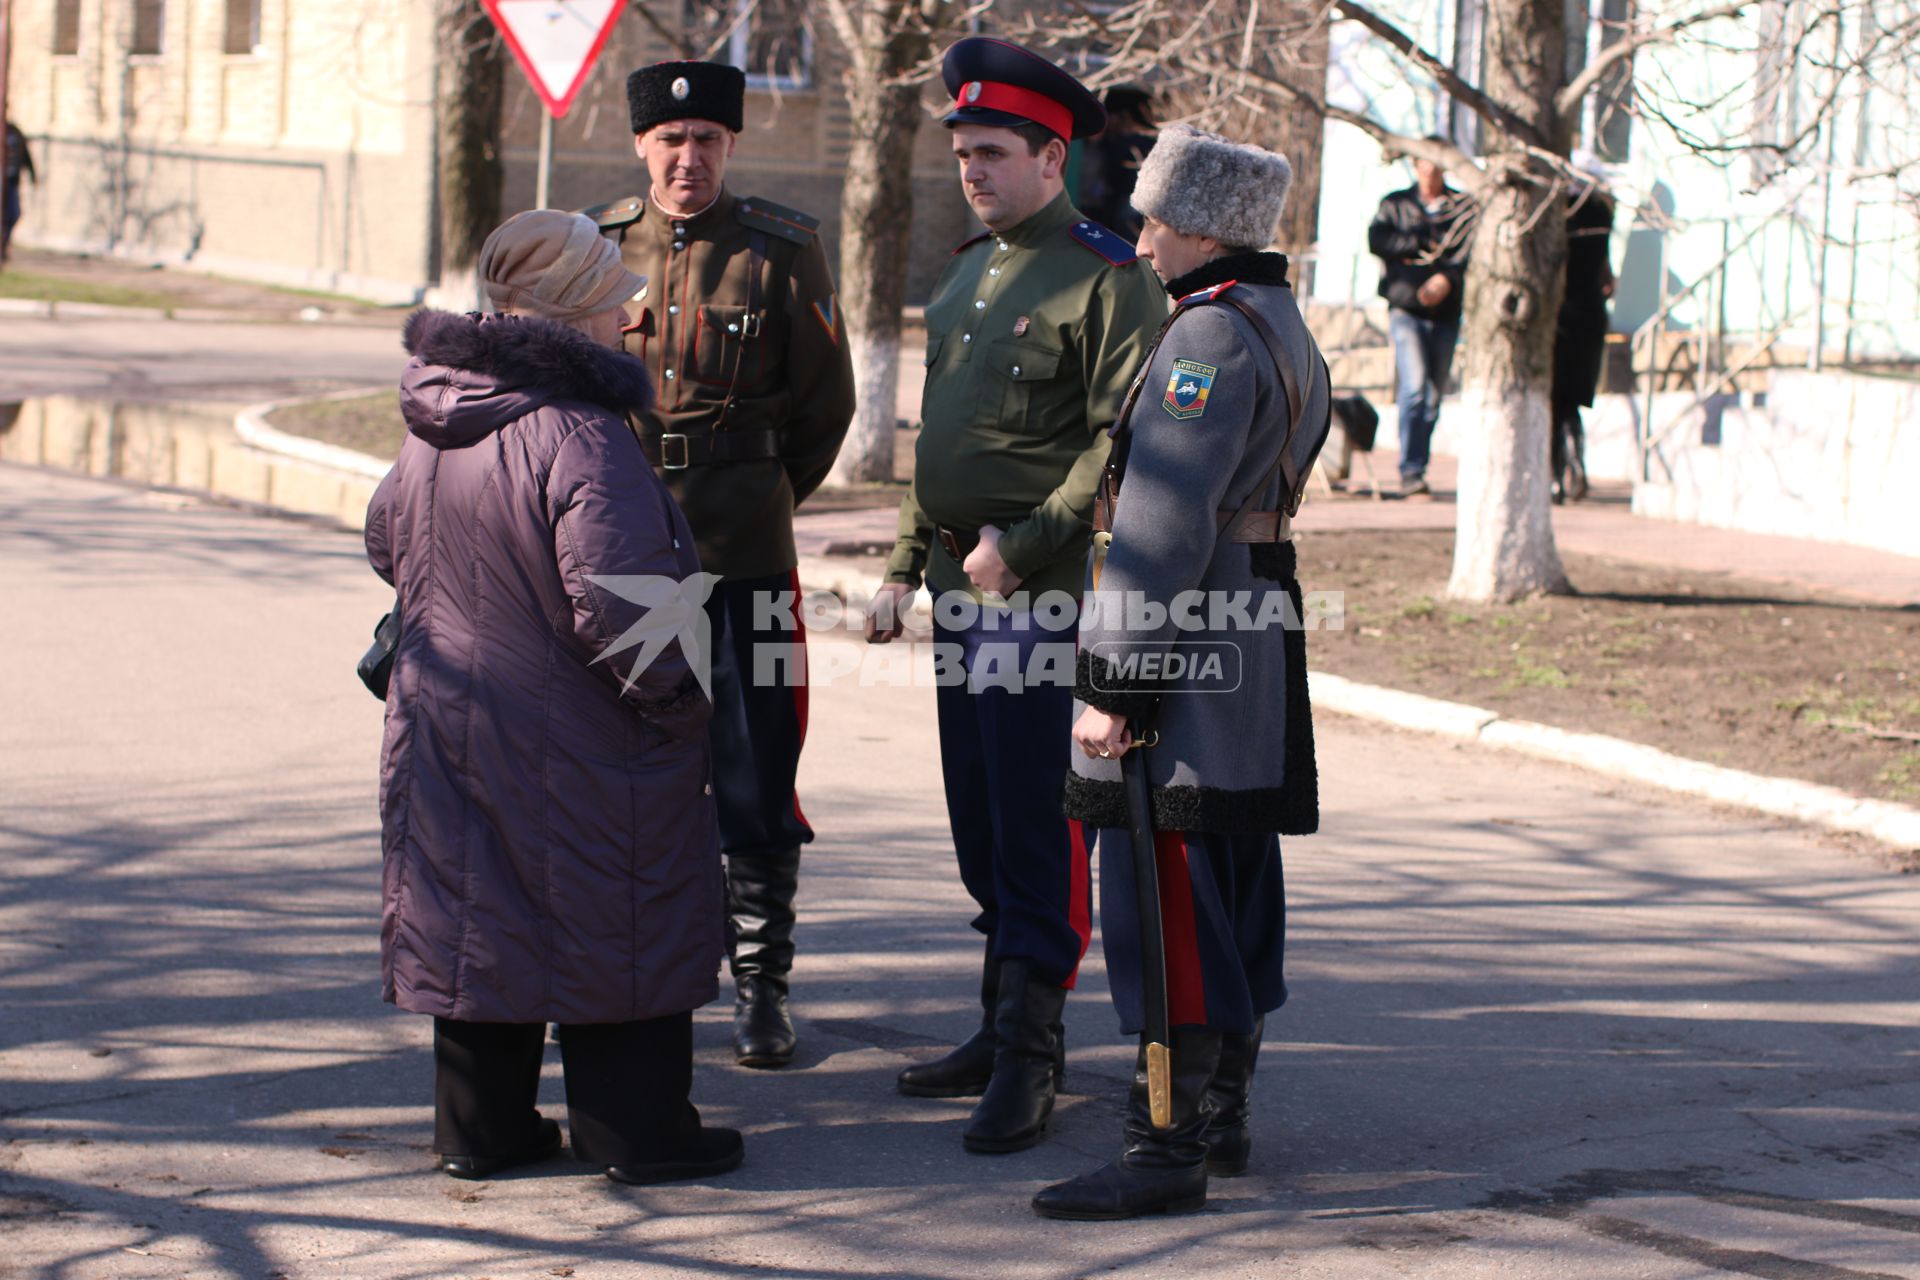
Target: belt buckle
(666,455)
(750,325)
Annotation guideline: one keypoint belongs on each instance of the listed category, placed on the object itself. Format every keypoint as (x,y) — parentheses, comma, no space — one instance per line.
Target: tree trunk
(470,90)
(1503,546)
(876,215)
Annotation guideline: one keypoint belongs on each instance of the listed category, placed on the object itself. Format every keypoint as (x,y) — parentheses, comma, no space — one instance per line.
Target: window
(243,26)
(66,27)
(768,39)
(1612,98)
(149,26)
(1461,122)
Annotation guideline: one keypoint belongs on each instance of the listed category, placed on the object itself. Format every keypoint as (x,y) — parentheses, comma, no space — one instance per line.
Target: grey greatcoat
(1236,734)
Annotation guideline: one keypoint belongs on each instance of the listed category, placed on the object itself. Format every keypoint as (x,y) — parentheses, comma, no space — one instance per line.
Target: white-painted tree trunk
(1503,539)
(868,452)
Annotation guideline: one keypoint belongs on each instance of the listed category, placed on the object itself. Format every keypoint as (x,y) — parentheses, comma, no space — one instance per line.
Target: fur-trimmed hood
(473,374)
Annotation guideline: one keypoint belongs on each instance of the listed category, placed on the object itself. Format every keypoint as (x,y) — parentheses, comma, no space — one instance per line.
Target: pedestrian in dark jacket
(548,828)
(1214,446)
(17,163)
(1422,236)
(1580,341)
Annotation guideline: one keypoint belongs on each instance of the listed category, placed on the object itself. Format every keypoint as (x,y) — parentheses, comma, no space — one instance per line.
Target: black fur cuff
(1292,809)
(1097,682)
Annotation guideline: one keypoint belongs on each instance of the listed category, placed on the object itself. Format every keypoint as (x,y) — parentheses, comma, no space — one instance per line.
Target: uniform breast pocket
(727,344)
(1018,367)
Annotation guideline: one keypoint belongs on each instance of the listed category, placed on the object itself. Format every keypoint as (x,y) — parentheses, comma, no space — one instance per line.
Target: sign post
(555,42)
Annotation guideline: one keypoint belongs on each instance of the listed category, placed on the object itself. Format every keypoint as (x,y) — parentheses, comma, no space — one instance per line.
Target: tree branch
(1614,54)
(1443,75)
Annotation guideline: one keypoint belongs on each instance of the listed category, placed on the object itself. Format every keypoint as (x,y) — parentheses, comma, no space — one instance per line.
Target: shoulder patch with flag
(1187,389)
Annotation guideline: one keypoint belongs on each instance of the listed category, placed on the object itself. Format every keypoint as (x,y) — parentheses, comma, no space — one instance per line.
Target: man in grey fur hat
(1193,631)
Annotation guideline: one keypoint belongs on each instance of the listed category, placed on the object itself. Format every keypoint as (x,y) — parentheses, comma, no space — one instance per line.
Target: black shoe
(1229,1138)
(1162,1170)
(545,1147)
(713,1150)
(1013,1111)
(762,1031)
(1415,487)
(1115,1191)
(760,892)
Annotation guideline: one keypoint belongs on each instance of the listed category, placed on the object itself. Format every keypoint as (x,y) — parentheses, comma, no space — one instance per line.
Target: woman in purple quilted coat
(549,839)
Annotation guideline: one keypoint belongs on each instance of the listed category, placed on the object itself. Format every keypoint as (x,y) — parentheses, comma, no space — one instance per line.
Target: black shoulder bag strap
(749,323)
(1296,404)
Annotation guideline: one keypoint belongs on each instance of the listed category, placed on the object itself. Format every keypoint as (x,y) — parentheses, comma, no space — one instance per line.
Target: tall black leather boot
(1013,1111)
(964,1072)
(1161,1170)
(760,891)
(1229,1140)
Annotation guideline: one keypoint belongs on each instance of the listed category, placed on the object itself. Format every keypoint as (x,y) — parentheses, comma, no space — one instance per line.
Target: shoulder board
(615,214)
(1110,245)
(776,219)
(965,245)
(1206,295)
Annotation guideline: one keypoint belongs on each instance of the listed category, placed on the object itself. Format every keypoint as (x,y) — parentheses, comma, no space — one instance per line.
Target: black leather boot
(1013,1111)
(964,1072)
(760,891)
(1229,1140)
(1161,1170)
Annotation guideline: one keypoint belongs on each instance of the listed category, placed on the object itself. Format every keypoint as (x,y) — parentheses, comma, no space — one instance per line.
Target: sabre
(1153,949)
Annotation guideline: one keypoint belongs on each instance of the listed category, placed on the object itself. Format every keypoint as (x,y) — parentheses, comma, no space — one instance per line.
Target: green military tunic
(1033,336)
(742,332)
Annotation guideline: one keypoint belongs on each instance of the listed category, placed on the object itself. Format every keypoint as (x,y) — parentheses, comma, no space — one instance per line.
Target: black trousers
(627,1087)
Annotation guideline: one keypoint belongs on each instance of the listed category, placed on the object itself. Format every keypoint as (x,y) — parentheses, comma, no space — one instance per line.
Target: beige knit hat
(555,264)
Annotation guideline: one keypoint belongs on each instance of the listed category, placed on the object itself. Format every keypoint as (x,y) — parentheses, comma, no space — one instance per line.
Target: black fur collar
(525,351)
(1247,268)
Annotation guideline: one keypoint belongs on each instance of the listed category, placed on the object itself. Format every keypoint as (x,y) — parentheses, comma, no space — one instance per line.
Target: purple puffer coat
(551,851)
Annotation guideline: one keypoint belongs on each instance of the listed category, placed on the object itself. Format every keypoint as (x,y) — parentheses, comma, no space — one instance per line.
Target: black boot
(1013,1111)
(760,890)
(1162,1170)
(1228,1138)
(964,1072)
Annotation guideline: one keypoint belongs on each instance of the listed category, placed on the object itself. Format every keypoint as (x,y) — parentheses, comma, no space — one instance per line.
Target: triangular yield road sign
(555,41)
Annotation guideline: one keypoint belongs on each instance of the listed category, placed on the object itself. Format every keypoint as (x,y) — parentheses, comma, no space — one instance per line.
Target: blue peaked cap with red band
(999,84)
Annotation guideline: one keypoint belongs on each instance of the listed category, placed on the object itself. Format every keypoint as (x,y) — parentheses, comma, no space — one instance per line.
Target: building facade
(293,141)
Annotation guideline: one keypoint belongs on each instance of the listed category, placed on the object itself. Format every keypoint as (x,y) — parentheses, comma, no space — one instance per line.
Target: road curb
(250,424)
(44,309)
(1829,808)
(1895,825)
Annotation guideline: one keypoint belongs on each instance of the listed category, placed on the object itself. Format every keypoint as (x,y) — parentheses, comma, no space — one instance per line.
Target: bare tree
(888,46)
(469,96)
(1527,102)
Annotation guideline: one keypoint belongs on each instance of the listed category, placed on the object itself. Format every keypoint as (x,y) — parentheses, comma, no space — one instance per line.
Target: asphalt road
(145,360)
(1541,1027)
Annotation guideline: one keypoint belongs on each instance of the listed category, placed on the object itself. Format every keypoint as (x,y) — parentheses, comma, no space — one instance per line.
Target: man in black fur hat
(742,332)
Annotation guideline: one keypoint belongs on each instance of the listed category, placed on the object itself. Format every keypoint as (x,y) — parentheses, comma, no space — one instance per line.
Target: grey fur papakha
(1200,184)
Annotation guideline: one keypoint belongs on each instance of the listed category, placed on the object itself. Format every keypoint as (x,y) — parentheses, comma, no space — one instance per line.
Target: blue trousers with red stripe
(759,725)
(1003,755)
(1223,915)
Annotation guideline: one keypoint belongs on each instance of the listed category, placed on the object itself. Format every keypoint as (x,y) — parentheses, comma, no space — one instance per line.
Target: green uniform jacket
(696,330)
(1033,336)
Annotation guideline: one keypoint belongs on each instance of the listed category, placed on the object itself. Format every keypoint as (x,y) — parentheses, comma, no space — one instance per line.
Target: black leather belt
(676,451)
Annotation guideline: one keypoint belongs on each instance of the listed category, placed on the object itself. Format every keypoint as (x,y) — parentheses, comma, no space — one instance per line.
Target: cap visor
(989,118)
